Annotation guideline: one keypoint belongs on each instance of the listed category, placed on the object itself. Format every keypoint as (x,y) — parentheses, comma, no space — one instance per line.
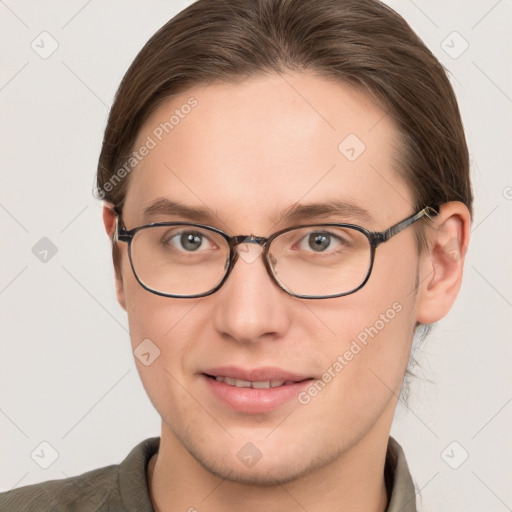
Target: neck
(354,481)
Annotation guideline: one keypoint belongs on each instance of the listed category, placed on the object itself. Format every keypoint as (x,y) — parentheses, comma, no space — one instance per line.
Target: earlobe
(442,263)
(121,298)
(109,221)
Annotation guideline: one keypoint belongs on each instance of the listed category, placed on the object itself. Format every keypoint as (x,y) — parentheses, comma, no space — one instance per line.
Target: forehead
(249,150)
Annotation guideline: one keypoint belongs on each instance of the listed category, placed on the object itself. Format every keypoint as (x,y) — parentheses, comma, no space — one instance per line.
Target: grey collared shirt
(403,494)
(124,487)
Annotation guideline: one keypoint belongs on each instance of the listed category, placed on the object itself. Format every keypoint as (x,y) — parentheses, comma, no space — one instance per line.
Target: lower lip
(251,400)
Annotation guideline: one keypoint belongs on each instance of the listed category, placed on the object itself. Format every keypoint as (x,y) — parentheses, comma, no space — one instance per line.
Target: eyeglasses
(316,261)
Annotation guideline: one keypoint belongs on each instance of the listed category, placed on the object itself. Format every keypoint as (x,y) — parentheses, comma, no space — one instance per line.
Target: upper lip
(256,374)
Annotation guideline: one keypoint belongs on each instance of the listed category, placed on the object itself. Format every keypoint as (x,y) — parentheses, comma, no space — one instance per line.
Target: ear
(109,220)
(442,263)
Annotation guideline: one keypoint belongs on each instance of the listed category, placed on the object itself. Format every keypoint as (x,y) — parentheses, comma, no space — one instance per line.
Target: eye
(320,241)
(189,241)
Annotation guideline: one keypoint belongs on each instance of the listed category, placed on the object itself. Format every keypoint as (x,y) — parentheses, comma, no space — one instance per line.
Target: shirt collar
(403,495)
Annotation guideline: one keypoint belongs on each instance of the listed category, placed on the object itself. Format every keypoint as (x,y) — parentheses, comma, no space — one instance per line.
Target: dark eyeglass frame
(375,238)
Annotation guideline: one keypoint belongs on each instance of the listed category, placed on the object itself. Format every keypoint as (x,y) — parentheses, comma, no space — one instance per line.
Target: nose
(250,306)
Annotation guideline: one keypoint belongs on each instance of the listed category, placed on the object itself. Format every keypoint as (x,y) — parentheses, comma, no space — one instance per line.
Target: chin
(282,467)
(265,476)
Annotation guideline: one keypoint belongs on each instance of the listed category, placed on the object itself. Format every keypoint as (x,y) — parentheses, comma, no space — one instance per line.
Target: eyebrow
(320,211)
(164,206)
(296,213)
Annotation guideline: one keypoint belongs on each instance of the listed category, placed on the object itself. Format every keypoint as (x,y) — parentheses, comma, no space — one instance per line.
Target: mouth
(255,390)
(261,384)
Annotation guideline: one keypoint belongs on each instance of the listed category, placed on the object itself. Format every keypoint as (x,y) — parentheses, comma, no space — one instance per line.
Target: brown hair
(360,42)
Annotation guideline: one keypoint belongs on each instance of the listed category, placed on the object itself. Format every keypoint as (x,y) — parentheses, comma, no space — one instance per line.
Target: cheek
(163,329)
(371,337)
(372,333)
(165,322)
(156,331)
(151,316)
(364,371)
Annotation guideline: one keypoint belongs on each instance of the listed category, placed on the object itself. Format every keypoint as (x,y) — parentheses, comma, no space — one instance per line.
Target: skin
(246,152)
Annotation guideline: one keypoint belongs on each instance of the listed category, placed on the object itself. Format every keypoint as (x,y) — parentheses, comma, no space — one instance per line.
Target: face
(246,154)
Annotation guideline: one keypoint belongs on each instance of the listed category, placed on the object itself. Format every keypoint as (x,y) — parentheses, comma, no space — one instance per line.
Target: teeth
(242,383)
(261,385)
(265,384)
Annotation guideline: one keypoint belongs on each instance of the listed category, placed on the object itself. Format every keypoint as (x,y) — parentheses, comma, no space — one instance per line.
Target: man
(286,188)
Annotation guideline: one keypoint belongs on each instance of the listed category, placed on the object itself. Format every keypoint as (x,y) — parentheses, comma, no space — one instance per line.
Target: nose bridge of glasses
(249,247)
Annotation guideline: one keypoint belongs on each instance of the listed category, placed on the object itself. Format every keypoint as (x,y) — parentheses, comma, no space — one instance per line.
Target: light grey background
(67,372)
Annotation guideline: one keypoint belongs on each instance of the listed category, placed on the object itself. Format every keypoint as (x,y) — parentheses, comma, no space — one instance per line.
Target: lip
(255,374)
(251,400)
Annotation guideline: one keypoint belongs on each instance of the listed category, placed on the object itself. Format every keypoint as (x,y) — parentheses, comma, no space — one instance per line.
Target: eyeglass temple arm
(118,229)
(384,236)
